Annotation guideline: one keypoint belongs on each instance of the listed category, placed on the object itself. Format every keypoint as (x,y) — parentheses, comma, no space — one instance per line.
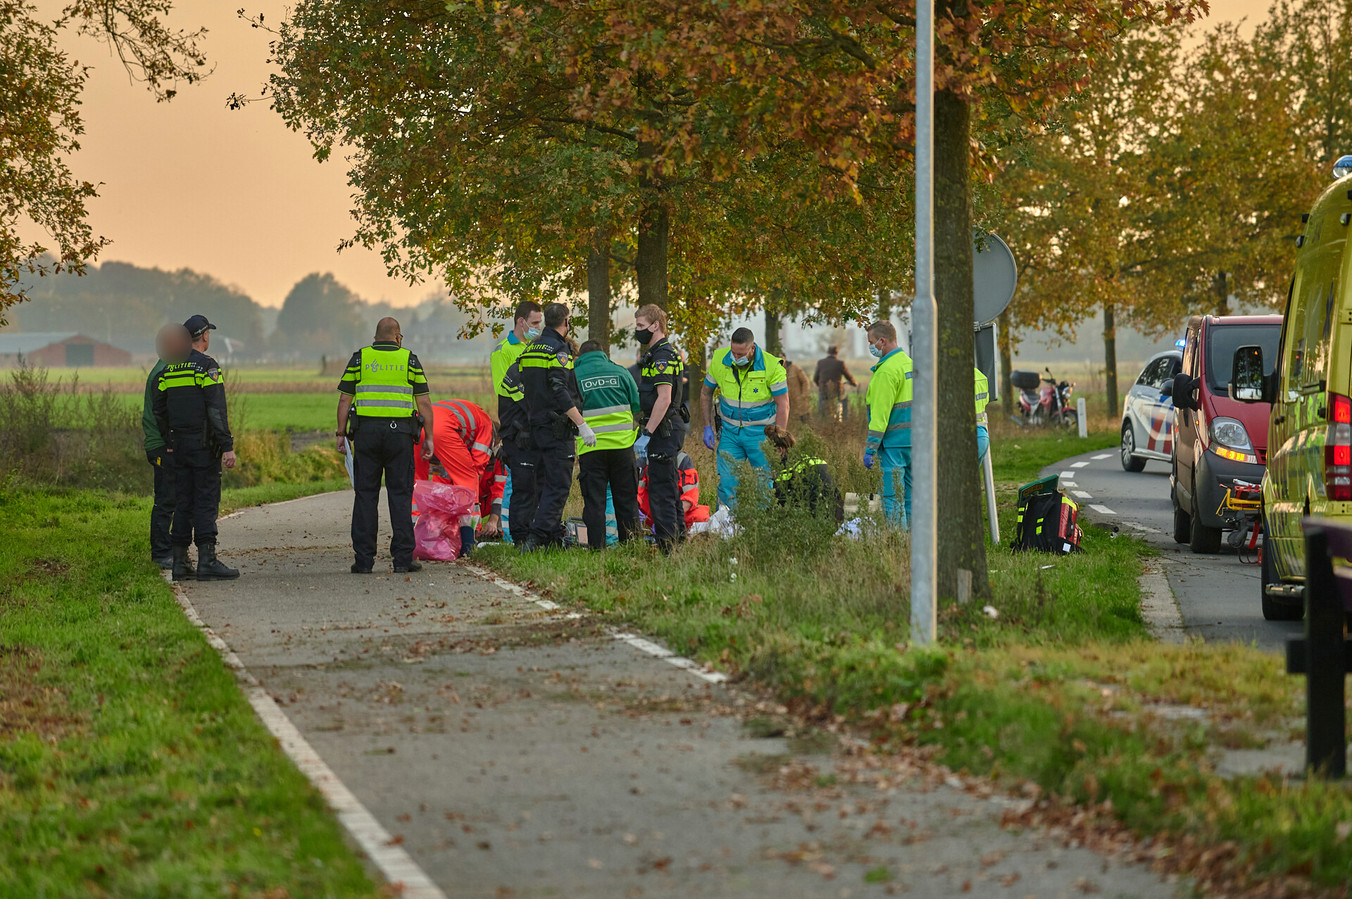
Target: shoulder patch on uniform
(215,375)
(662,366)
(562,356)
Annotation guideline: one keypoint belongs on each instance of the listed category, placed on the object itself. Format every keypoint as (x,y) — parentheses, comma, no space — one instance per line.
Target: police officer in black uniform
(518,451)
(386,390)
(664,425)
(552,399)
(189,409)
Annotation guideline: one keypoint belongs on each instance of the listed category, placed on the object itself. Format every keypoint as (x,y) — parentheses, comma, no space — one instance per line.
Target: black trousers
(664,488)
(525,491)
(553,460)
(162,511)
(197,495)
(382,448)
(613,468)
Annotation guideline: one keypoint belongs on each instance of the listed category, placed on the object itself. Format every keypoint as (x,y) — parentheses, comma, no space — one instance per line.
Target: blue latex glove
(641,447)
(709,438)
(868,460)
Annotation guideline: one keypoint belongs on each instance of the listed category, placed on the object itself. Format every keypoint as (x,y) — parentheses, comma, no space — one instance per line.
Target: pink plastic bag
(439,509)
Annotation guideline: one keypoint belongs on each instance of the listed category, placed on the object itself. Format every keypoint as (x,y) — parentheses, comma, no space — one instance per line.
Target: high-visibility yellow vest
(889,401)
(384,388)
(983,391)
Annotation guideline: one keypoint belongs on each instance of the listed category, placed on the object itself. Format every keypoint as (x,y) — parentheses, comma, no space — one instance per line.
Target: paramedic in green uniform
(611,408)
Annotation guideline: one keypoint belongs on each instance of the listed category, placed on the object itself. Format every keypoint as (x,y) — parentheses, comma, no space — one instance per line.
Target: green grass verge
(1062,688)
(130,763)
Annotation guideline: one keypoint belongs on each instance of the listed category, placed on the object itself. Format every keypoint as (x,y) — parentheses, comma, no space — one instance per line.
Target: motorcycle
(1044,400)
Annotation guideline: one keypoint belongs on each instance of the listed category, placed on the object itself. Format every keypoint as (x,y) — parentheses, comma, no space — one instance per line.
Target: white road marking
(1068,474)
(1081,494)
(285,502)
(1102,510)
(1143,527)
(395,864)
(1102,456)
(1079,465)
(639,643)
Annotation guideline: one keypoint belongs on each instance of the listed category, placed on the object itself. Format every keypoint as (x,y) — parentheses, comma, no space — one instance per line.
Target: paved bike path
(516,751)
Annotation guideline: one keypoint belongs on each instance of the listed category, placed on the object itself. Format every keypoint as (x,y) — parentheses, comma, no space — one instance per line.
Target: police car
(1148,412)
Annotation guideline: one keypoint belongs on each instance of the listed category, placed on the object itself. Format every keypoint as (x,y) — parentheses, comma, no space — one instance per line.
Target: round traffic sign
(994,277)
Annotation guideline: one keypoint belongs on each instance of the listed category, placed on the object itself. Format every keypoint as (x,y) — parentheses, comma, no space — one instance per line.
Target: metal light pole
(924,345)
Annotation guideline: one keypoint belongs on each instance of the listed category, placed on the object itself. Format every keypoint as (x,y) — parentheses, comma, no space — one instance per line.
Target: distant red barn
(60,349)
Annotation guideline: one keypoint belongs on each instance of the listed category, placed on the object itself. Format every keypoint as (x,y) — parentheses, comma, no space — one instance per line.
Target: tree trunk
(650,264)
(961,525)
(773,345)
(1110,359)
(1222,284)
(598,292)
(1006,342)
(695,368)
(884,304)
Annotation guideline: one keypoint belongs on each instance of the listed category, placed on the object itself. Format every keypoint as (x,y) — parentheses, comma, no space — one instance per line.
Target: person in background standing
(611,408)
(527,322)
(385,387)
(173,344)
(190,412)
(889,420)
(800,405)
(983,437)
(830,371)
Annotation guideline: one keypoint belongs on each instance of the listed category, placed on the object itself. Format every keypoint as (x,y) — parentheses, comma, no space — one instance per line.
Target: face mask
(532,333)
(745,360)
(875,352)
(644,336)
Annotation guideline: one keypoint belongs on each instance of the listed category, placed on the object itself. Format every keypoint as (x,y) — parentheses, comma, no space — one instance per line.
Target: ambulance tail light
(1338,450)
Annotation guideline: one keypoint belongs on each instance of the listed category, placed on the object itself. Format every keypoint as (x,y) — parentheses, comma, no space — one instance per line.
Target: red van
(1217,440)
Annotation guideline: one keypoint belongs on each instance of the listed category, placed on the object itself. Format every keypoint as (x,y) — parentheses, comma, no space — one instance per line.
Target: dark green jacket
(153,439)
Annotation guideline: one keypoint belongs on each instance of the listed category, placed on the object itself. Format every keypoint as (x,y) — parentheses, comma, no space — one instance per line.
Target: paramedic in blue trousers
(663,425)
(527,323)
(753,392)
(889,420)
(385,389)
(983,437)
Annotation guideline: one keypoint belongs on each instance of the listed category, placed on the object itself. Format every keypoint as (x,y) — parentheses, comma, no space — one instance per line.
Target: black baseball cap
(198,325)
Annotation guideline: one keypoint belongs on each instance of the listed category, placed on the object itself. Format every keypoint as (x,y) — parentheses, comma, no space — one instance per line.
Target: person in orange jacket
(468,435)
(491,485)
(688,479)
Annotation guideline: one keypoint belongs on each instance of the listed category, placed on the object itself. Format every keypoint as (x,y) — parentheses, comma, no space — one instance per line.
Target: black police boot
(466,542)
(411,566)
(210,568)
(182,565)
(165,561)
(531,545)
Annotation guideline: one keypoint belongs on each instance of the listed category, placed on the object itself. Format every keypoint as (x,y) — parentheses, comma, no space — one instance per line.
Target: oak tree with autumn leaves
(768,143)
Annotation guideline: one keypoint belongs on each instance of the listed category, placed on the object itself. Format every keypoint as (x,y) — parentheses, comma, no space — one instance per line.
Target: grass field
(1057,692)
(130,763)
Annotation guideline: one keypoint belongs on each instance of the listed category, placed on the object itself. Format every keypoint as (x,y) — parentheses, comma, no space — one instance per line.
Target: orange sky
(235,194)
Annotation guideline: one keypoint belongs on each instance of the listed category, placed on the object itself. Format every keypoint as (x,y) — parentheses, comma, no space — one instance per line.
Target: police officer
(664,425)
(173,344)
(552,400)
(385,389)
(753,392)
(527,323)
(189,409)
(889,419)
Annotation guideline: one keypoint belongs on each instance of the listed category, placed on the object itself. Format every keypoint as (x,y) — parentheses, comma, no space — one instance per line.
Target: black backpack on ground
(1048,520)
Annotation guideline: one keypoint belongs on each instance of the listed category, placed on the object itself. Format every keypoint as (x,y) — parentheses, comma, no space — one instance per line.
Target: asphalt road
(1217,595)
(516,749)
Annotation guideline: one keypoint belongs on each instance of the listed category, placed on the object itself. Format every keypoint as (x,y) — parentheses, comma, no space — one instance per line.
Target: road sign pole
(924,346)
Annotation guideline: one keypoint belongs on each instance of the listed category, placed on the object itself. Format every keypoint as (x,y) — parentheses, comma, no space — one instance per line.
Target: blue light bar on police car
(1180,343)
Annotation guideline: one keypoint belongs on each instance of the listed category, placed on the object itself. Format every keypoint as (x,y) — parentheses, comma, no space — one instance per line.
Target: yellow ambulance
(1309,465)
